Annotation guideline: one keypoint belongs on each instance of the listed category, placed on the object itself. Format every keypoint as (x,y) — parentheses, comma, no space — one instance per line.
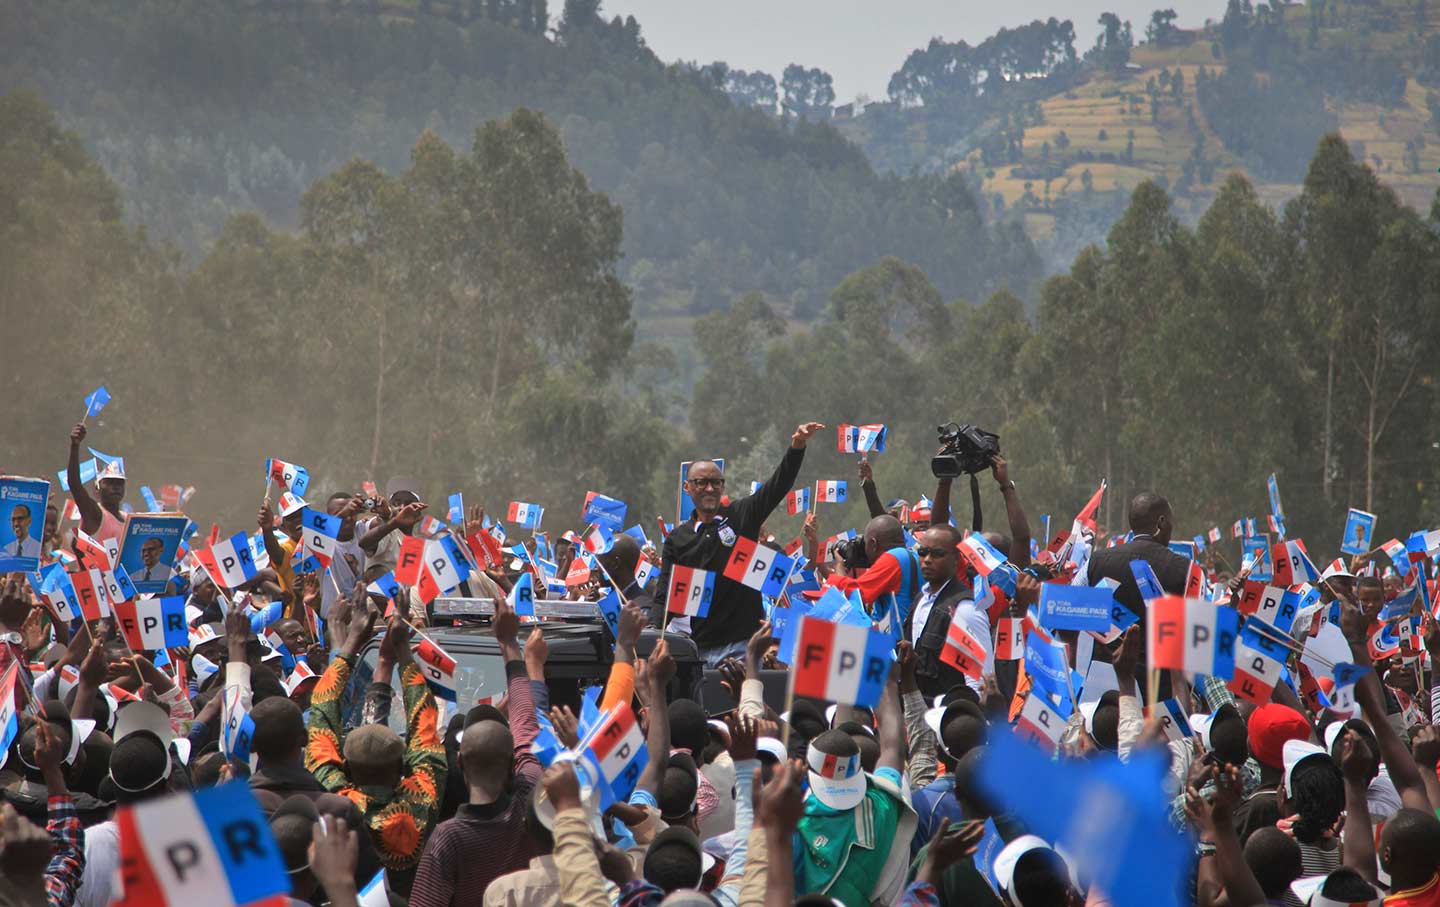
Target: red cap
(1270,726)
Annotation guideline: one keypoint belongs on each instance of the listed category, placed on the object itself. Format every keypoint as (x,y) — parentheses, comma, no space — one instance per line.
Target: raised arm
(655,674)
(1214,820)
(89,510)
(760,505)
(940,506)
(890,722)
(1398,761)
(1358,843)
(867,485)
(1014,513)
(265,520)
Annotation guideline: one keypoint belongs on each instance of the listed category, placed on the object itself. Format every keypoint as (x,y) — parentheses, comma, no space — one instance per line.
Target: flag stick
(789,707)
(267,491)
(1153,687)
(666,618)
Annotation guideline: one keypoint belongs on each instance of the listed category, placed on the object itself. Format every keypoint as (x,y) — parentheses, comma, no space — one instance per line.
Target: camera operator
(883,565)
(1016,546)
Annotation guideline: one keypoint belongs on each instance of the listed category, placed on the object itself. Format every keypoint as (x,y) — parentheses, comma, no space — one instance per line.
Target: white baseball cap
(1296,752)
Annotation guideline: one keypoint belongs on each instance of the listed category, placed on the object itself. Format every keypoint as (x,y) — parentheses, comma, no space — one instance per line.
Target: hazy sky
(860,42)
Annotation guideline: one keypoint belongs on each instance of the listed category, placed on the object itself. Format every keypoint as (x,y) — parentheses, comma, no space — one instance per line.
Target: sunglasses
(933,552)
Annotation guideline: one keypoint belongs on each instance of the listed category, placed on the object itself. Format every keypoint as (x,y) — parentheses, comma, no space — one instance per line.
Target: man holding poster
(20,501)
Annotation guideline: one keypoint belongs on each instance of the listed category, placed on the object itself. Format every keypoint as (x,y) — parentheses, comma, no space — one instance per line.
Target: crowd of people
(1306,796)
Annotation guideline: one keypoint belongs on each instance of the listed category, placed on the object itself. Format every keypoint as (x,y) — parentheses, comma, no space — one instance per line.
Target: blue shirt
(933,802)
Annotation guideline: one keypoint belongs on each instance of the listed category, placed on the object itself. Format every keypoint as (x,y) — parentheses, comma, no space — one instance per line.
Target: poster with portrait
(149,547)
(22,523)
(1359,532)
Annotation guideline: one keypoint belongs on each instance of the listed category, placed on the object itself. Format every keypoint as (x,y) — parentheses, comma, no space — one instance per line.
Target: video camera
(964,450)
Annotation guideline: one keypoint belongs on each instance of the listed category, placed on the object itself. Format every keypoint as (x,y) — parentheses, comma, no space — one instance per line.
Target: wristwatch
(1205,849)
(1007,485)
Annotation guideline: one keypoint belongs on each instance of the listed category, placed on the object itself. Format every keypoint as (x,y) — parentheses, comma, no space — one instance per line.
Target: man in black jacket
(708,539)
(1151,523)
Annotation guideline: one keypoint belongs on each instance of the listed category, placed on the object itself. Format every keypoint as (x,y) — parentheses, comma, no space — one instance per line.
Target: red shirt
(1427,895)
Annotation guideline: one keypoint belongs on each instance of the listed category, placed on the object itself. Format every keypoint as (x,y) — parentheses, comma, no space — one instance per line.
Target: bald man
(620,563)
(894,571)
(707,539)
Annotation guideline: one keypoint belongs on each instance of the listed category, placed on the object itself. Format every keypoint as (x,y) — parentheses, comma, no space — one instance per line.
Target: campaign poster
(149,547)
(1359,531)
(22,523)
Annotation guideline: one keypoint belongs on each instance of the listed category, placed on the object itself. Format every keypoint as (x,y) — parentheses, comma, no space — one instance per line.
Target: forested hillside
(202,109)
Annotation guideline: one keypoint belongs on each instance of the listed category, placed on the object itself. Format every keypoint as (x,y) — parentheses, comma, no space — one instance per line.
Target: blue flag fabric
(610,610)
(1110,817)
(265,617)
(1049,669)
(602,510)
(96,400)
(1146,579)
(786,628)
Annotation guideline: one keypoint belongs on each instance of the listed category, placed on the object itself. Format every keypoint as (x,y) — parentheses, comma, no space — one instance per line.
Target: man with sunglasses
(707,539)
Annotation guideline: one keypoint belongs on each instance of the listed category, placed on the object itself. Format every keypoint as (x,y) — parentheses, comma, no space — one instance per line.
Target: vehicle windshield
(477,676)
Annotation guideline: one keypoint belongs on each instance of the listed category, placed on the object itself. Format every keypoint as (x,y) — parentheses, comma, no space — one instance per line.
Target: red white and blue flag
(153,623)
(1009,639)
(691,590)
(759,567)
(89,586)
(830,491)
(843,663)
(861,438)
(229,562)
(615,749)
(1040,722)
(320,533)
(797,501)
(94,553)
(288,476)
(210,846)
(432,526)
(963,652)
(1192,635)
(528,516)
(437,667)
(1292,564)
(598,539)
(1214,534)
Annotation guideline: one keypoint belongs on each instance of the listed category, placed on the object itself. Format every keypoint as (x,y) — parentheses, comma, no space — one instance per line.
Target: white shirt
(102,859)
(340,569)
(29,547)
(157,574)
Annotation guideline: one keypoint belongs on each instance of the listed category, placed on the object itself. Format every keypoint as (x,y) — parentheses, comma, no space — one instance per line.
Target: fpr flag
(437,667)
(1192,635)
(963,652)
(843,663)
(830,491)
(1292,564)
(210,846)
(153,623)
(615,748)
(759,567)
(294,479)
(690,591)
(797,501)
(861,438)
(527,515)
(321,532)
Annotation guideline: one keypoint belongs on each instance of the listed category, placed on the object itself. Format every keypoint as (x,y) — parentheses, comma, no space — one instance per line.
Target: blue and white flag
(603,510)
(615,752)
(456,511)
(237,728)
(522,596)
(266,616)
(96,400)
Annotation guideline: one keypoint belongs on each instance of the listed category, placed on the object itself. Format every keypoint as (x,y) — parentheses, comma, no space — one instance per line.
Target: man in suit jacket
(1151,524)
(620,563)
